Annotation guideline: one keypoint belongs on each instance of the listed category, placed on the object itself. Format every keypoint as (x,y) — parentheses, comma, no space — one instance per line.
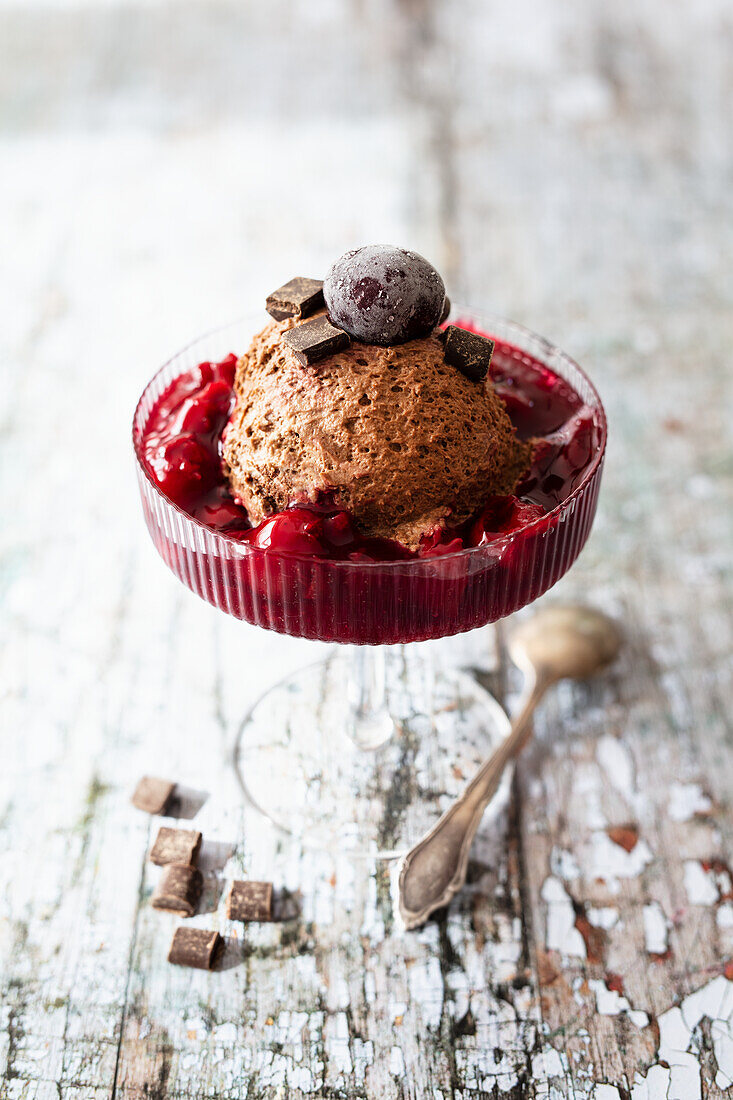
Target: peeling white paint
(426,990)
(337,1043)
(396,1062)
(561,935)
(674,1039)
(655,1086)
(588,788)
(604,916)
(611,1003)
(577,986)
(724,915)
(195,1028)
(722,1036)
(225,1033)
(682,1079)
(606,1092)
(723,881)
(656,929)
(699,884)
(564,864)
(714,1000)
(549,1063)
(686,800)
(396,1010)
(617,762)
(608,860)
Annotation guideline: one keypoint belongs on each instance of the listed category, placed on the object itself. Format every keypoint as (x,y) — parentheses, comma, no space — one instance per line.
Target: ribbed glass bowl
(372,603)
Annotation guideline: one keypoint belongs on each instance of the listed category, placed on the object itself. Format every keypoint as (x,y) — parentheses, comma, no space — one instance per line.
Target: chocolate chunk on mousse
(446,310)
(195,947)
(469,352)
(175,846)
(314,340)
(298,298)
(250,901)
(153,795)
(179,889)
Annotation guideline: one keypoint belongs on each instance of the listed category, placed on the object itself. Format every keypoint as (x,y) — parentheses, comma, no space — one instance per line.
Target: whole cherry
(384,295)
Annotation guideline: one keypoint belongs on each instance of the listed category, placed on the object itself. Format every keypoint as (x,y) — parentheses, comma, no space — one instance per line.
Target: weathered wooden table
(164,164)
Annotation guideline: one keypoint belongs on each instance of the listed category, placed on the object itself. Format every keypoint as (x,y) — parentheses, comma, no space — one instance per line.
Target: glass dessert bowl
(368,748)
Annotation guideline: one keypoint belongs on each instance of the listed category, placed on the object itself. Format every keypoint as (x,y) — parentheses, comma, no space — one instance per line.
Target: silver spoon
(557,643)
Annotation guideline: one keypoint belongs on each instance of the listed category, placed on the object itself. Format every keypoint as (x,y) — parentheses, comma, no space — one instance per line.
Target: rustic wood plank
(518,148)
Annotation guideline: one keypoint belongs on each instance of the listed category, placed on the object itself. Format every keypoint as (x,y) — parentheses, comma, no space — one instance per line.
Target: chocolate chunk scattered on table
(179,889)
(175,846)
(250,901)
(469,352)
(314,340)
(153,795)
(298,298)
(195,947)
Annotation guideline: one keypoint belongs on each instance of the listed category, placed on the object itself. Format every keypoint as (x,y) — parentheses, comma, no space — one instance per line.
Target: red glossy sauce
(308,572)
(182,452)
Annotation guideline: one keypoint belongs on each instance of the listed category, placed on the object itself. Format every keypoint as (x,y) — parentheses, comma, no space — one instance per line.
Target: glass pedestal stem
(363,751)
(371,725)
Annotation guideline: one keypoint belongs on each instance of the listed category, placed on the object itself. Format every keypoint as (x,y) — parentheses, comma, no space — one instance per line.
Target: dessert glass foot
(365,750)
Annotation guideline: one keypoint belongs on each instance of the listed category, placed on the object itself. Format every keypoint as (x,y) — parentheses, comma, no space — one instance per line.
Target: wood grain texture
(564,164)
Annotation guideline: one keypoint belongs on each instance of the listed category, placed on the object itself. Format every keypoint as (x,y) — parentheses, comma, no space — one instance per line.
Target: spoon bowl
(565,642)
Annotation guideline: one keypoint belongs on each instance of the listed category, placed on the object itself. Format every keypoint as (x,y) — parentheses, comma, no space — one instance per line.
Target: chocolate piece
(298,298)
(153,795)
(195,947)
(250,901)
(179,889)
(446,310)
(175,846)
(469,352)
(314,340)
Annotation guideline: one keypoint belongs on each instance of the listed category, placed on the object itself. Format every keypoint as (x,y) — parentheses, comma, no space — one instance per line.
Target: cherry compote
(182,452)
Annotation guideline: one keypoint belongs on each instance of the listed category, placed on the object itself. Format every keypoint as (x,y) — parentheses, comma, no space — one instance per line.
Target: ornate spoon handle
(435,869)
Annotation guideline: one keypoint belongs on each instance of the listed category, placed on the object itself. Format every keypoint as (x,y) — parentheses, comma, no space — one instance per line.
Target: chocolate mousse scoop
(394,434)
